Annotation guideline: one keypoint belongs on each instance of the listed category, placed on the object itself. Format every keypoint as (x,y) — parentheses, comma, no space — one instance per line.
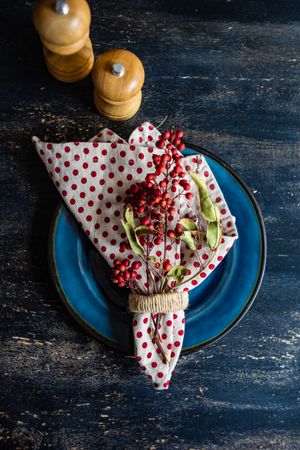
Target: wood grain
(60,33)
(226,72)
(70,68)
(68,49)
(118,97)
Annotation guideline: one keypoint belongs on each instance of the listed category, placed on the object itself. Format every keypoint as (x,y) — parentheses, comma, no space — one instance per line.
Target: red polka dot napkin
(92,178)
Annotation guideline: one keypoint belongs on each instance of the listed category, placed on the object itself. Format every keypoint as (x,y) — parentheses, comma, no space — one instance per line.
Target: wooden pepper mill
(64,26)
(118,77)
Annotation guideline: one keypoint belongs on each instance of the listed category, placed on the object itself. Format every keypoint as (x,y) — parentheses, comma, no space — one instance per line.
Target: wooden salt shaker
(64,28)
(118,77)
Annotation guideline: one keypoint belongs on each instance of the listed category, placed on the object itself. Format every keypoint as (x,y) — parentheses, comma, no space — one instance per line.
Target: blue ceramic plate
(82,277)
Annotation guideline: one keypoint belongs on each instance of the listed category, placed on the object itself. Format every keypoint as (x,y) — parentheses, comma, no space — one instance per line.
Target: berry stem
(199,271)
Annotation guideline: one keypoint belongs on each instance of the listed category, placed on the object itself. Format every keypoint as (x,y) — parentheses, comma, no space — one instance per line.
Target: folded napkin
(92,178)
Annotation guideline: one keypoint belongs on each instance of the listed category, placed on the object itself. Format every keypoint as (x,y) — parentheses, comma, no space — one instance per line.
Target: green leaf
(128,215)
(207,207)
(213,235)
(188,224)
(132,238)
(153,259)
(187,237)
(177,272)
(142,229)
(217,212)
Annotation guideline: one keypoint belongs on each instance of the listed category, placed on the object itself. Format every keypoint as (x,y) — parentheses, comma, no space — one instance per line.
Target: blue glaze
(82,276)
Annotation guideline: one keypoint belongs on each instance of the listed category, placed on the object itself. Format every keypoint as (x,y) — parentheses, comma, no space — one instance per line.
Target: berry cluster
(151,199)
(172,234)
(153,203)
(167,265)
(174,138)
(123,274)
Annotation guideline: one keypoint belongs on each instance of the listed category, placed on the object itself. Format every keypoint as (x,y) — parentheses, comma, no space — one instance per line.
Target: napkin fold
(92,178)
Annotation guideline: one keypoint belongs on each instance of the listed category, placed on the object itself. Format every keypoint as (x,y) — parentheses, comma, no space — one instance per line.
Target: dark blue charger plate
(82,277)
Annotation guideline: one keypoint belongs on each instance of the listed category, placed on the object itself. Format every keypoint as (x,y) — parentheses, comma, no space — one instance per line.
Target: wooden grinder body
(67,47)
(118,95)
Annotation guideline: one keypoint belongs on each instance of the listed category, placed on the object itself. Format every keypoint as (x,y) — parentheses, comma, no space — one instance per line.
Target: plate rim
(95,334)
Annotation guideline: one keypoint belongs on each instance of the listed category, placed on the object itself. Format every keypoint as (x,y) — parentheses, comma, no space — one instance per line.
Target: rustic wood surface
(228,73)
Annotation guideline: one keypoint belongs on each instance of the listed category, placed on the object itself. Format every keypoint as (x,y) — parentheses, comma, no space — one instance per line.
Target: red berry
(181,147)
(167,266)
(171,234)
(160,144)
(189,195)
(178,229)
(145,221)
(161,168)
(178,161)
(179,133)
(134,188)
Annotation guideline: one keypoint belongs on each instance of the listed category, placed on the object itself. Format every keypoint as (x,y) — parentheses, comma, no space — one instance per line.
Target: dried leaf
(142,229)
(132,238)
(177,273)
(187,237)
(188,224)
(213,235)
(207,207)
(128,215)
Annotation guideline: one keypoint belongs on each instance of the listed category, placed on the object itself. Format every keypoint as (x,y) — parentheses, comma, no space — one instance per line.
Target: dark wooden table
(228,73)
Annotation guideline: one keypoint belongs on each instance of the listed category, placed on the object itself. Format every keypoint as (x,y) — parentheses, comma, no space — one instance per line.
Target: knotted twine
(158,303)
